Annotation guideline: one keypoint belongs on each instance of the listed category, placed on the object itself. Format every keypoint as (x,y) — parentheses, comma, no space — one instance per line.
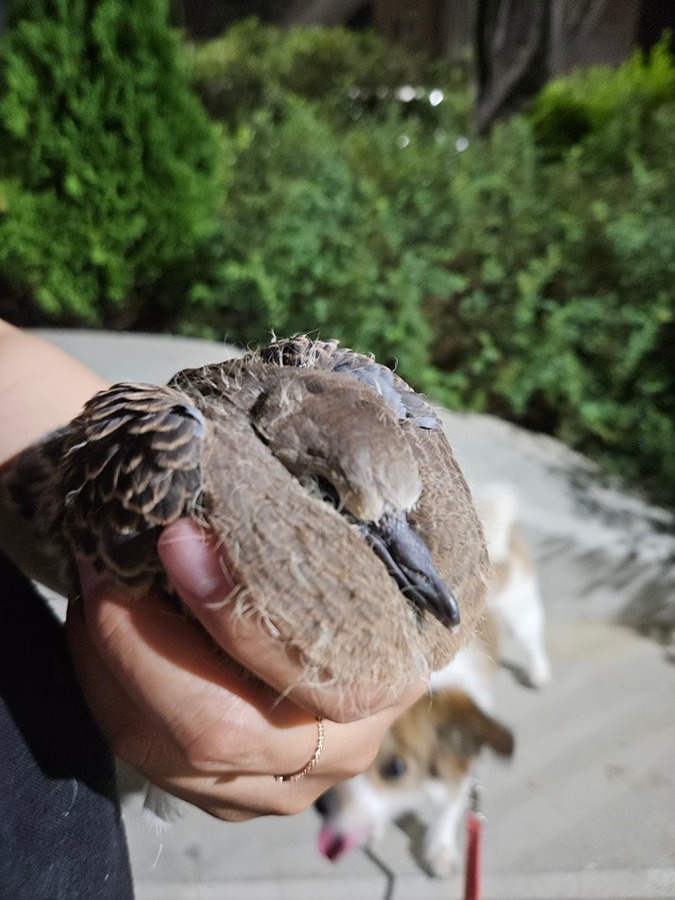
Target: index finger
(220,717)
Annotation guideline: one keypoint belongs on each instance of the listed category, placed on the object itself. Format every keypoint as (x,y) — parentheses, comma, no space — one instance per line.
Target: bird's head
(332,428)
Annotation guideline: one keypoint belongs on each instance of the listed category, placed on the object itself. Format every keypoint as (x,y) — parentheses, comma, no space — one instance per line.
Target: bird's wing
(131,465)
(30,512)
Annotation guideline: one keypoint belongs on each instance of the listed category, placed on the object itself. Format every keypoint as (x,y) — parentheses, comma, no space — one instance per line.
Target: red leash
(474,841)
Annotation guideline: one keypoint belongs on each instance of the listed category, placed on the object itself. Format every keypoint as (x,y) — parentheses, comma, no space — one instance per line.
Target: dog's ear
(495,735)
(462,725)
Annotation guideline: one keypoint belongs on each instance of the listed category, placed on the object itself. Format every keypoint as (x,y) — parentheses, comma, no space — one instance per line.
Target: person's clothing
(61,834)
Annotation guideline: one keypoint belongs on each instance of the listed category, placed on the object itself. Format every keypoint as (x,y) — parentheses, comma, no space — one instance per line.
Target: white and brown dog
(425,763)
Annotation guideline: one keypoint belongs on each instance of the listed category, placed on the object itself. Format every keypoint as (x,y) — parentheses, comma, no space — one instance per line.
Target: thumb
(194,565)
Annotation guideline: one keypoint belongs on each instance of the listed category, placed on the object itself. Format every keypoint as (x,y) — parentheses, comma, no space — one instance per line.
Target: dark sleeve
(61,834)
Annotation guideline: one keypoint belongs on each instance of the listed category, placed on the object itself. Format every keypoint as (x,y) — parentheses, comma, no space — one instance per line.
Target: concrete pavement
(587,807)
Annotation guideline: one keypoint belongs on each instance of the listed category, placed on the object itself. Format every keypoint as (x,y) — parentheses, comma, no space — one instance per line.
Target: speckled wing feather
(131,465)
(106,484)
(340,509)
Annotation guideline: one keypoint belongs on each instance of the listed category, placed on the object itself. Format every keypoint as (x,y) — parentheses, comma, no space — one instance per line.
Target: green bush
(108,164)
(350,74)
(529,273)
(566,321)
(306,245)
(312,238)
(606,110)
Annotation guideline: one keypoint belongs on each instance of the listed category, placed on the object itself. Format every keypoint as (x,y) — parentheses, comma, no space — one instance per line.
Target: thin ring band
(296,776)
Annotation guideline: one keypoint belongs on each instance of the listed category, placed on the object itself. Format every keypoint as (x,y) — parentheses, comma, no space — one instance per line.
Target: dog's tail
(497,506)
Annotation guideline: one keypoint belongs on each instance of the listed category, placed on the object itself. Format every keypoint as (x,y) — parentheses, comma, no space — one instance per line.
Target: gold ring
(296,776)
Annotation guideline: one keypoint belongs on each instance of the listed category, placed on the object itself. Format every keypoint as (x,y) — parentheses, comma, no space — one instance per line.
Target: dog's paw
(441,857)
(538,673)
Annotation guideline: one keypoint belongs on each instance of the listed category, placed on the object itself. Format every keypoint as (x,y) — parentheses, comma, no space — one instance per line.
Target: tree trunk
(521,44)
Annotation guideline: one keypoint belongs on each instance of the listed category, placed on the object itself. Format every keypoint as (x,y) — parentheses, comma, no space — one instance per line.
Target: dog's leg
(441,846)
(520,612)
(528,630)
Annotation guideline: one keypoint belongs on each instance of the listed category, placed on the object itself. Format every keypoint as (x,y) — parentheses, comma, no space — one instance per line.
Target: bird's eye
(321,488)
(327,492)
(393,768)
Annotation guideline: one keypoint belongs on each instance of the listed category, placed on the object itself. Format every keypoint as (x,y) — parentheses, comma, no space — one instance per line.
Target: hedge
(339,188)
(108,163)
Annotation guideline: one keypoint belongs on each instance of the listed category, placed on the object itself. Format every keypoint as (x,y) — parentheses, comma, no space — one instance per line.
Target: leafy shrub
(305,244)
(606,109)
(350,74)
(566,321)
(107,160)
(528,273)
(311,236)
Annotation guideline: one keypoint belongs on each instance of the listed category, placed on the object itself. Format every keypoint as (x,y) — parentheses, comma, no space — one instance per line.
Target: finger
(348,749)
(197,573)
(220,717)
(141,744)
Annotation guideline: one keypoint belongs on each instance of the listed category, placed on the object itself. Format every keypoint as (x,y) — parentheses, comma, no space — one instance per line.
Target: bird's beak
(409,563)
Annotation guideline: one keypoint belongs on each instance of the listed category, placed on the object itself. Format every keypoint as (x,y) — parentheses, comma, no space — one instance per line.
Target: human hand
(188,717)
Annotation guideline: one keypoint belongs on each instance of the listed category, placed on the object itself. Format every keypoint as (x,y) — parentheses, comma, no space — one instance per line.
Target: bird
(339,508)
